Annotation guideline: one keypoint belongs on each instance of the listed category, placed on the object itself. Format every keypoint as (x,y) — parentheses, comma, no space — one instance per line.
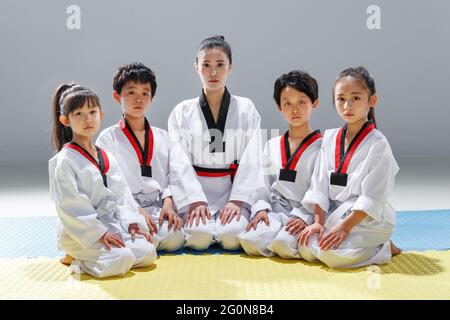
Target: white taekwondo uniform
(92,197)
(146,170)
(222,164)
(359,178)
(283,181)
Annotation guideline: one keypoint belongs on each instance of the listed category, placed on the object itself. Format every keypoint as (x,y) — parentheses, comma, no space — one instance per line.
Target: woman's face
(213,67)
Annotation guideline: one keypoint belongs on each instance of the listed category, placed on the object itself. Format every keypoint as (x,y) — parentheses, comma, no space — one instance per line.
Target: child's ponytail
(371,116)
(60,134)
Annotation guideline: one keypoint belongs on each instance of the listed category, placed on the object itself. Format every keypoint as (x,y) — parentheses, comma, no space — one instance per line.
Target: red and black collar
(288,161)
(341,158)
(144,155)
(103,161)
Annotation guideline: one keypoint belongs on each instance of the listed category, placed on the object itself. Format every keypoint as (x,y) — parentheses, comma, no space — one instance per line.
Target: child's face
(135,98)
(85,121)
(296,106)
(352,100)
(213,67)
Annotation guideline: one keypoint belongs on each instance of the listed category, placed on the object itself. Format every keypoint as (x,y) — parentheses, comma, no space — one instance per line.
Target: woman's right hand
(198,211)
(308,232)
(295,225)
(110,238)
(260,215)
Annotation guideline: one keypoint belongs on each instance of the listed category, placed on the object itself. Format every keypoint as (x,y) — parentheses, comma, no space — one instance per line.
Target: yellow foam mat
(411,275)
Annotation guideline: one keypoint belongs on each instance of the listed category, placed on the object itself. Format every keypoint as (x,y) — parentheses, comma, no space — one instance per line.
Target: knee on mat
(280,247)
(229,241)
(306,254)
(163,231)
(172,242)
(199,240)
(334,260)
(122,263)
(149,256)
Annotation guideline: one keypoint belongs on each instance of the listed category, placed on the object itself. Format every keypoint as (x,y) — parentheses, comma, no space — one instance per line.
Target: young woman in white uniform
(217,131)
(352,181)
(277,216)
(101,229)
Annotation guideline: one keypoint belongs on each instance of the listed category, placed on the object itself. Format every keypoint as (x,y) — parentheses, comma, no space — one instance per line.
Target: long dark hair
(360,73)
(66,99)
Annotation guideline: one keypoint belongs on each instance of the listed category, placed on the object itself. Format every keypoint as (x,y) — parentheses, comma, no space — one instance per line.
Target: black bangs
(299,80)
(139,75)
(78,99)
(135,72)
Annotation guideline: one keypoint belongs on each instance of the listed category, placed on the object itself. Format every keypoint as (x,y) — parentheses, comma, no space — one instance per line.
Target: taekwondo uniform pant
(272,239)
(368,243)
(101,263)
(165,240)
(202,236)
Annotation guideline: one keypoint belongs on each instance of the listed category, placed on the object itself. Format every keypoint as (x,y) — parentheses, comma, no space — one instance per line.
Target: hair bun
(215,41)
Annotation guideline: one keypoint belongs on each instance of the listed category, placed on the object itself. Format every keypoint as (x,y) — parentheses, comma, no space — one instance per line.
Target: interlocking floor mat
(411,275)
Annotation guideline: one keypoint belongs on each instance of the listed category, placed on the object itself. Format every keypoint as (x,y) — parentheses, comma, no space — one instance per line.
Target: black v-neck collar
(223,112)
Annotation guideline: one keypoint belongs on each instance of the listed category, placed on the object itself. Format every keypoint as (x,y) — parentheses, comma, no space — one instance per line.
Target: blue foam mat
(423,230)
(36,236)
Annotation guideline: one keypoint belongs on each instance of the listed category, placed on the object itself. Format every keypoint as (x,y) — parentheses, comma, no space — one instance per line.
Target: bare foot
(67,260)
(395,250)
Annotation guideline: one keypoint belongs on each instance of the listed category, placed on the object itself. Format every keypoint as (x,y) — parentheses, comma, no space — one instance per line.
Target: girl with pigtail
(353,178)
(101,229)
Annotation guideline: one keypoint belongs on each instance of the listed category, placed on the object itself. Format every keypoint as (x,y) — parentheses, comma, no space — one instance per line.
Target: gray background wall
(408,58)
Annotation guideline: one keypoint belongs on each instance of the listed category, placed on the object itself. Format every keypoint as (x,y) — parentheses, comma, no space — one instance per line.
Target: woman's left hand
(232,209)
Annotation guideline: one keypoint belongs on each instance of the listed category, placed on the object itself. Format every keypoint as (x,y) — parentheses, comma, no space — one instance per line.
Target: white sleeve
(303,214)
(183,182)
(75,210)
(318,190)
(264,181)
(378,184)
(128,208)
(250,162)
(106,141)
(166,192)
